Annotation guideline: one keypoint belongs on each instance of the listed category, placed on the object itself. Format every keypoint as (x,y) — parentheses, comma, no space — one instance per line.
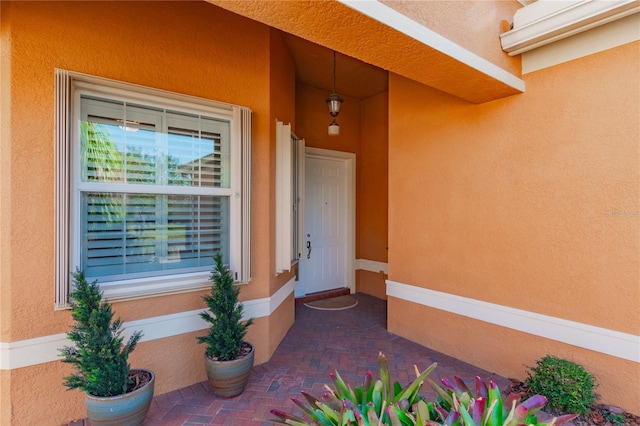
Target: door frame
(349,161)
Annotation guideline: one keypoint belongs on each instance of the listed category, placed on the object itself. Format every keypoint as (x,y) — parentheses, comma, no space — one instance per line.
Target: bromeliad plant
(379,403)
(373,403)
(458,406)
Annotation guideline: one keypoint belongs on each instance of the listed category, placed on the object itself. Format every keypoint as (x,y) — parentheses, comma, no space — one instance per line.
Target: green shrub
(98,356)
(616,419)
(227,330)
(567,385)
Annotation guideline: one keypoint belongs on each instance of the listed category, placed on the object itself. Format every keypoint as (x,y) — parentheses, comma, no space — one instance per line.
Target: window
(150,185)
(290,153)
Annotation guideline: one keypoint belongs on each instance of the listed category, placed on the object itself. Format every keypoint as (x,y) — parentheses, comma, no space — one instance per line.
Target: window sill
(156,286)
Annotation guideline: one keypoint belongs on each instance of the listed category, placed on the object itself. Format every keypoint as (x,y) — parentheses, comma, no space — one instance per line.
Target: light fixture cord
(334,71)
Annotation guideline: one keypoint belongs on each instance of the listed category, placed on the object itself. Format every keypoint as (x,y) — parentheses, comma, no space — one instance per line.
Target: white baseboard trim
(25,353)
(372,266)
(621,345)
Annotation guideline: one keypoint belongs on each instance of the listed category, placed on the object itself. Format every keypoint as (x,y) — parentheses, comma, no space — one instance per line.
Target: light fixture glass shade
(333,102)
(334,128)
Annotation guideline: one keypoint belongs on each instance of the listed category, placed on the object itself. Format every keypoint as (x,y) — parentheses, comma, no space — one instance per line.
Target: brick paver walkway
(318,343)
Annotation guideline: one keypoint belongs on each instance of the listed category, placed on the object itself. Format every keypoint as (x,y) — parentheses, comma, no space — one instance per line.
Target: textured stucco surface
(372,283)
(364,132)
(201,65)
(509,353)
(372,183)
(279,323)
(179,46)
(312,120)
(343,29)
(529,202)
(5,173)
(59,407)
(282,106)
(471,24)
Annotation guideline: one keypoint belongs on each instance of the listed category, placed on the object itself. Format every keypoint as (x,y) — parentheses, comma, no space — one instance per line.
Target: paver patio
(318,343)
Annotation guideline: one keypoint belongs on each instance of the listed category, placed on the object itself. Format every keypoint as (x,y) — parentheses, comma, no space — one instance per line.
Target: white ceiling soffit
(546,21)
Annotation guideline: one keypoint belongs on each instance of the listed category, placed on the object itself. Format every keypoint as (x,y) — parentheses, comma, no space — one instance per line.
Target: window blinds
(154,187)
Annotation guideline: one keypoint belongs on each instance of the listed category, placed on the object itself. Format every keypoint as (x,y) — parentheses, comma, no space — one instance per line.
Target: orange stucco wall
(509,352)
(5,169)
(372,184)
(200,65)
(468,23)
(312,120)
(363,131)
(343,28)
(529,202)
(372,193)
(371,283)
(283,100)
(193,48)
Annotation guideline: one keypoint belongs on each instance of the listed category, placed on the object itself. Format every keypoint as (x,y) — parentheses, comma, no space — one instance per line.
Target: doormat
(334,303)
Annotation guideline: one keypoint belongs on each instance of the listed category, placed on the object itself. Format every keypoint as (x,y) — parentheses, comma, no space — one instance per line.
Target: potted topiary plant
(114,393)
(228,357)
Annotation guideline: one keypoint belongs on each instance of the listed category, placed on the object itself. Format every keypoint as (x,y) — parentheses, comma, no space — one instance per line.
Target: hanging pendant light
(334,101)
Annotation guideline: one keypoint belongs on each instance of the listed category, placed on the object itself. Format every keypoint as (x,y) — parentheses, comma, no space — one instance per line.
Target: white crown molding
(372,266)
(405,25)
(621,345)
(39,350)
(545,22)
(605,37)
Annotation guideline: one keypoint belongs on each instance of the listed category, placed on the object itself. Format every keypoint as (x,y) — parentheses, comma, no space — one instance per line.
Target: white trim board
(405,25)
(372,266)
(545,22)
(621,345)
(25,353)
(599,39)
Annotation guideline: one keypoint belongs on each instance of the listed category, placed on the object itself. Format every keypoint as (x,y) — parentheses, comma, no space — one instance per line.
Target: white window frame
(69,86)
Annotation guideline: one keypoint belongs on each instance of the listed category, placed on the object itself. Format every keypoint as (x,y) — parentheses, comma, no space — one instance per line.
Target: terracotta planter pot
(229,378)
(129,409)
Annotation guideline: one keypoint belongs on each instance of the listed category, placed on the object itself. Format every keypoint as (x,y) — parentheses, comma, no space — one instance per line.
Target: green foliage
(616,419)
(99,150)
(380,403)
(372,403)
(110,164)
(98,356)
(457,405)
(227,330)
(567,385)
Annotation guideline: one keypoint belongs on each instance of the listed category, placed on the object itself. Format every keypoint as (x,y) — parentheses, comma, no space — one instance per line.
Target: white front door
(325,264)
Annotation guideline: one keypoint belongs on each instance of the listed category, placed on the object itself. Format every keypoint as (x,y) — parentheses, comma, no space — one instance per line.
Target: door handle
(309,248)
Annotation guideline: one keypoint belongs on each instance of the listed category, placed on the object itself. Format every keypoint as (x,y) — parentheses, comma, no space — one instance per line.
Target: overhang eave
(376,34)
